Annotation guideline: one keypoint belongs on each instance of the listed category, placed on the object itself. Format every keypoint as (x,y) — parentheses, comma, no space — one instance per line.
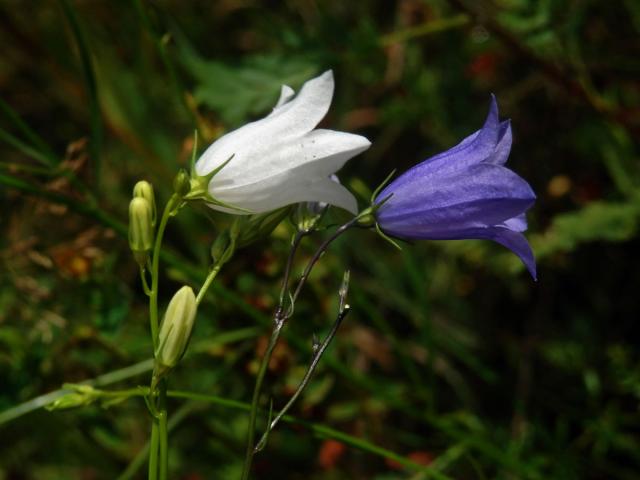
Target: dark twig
(287,271)
(319,252)
(280,318)
(318,351)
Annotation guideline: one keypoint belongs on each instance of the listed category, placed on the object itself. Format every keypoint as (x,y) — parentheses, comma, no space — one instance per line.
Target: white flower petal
(276,195)
(326,151)
(294,118)
(305,111)
(317,154)
(333,193)
(280,159)
(286,94)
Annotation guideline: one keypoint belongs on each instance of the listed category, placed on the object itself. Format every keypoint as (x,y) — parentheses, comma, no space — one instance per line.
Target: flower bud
(144,189)
(307,215)
(78,396)
(252,228)
(182,183)
(223,248)
(175,330)
(366,219)
(140,229)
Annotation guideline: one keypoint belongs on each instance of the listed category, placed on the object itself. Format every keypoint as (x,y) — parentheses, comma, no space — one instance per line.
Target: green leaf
(600,220)
(251,88)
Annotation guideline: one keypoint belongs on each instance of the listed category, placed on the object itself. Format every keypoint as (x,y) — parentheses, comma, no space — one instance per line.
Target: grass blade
(21,146)
(48,156)
(95,120)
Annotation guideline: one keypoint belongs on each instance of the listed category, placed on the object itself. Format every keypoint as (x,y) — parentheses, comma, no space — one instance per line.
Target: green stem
(155,263)
(159,434)
(264,364)
(163,431)
(153,450)
(131,392)
(207,283)
(43,400)
(319,430)
(138,461)
(145,284)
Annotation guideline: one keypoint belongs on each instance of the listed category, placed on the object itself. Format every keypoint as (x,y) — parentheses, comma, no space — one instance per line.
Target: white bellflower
(282,159)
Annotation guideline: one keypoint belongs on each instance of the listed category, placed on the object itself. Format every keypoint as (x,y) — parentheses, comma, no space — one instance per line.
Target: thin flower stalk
(280,318)
(318,351)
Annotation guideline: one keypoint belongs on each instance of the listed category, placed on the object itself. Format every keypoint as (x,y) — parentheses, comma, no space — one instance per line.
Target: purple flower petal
(477,148)
(482,195)
(503,147)
(465,192)
(517,243)
(517,224)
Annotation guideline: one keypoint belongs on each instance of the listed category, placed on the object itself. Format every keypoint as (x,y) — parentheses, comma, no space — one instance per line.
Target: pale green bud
(144,189)
(80,396)
(175,330)
(140,229)
(307,215)
(223,248)
(252,228)
(182,183)
(366,219)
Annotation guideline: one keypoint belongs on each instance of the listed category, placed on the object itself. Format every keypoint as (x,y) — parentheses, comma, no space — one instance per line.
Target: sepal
(199,189)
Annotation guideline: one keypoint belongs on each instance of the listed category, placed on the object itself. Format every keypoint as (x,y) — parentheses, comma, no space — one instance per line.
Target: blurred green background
(452,359)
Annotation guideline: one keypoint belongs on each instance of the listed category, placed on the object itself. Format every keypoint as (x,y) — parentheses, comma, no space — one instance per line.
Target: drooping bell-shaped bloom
(282,159)
(463,193)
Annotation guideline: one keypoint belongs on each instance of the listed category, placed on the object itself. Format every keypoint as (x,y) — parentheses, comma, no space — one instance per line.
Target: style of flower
(282,159)
(463,193)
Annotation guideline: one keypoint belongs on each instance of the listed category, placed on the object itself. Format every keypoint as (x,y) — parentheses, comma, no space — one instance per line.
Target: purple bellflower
(463,193)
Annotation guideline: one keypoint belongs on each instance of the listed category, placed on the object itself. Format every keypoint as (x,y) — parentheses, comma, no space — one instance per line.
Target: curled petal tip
(324,78)
(286,94)
(503,147)
(492,116)
(493,102)
(517,243)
